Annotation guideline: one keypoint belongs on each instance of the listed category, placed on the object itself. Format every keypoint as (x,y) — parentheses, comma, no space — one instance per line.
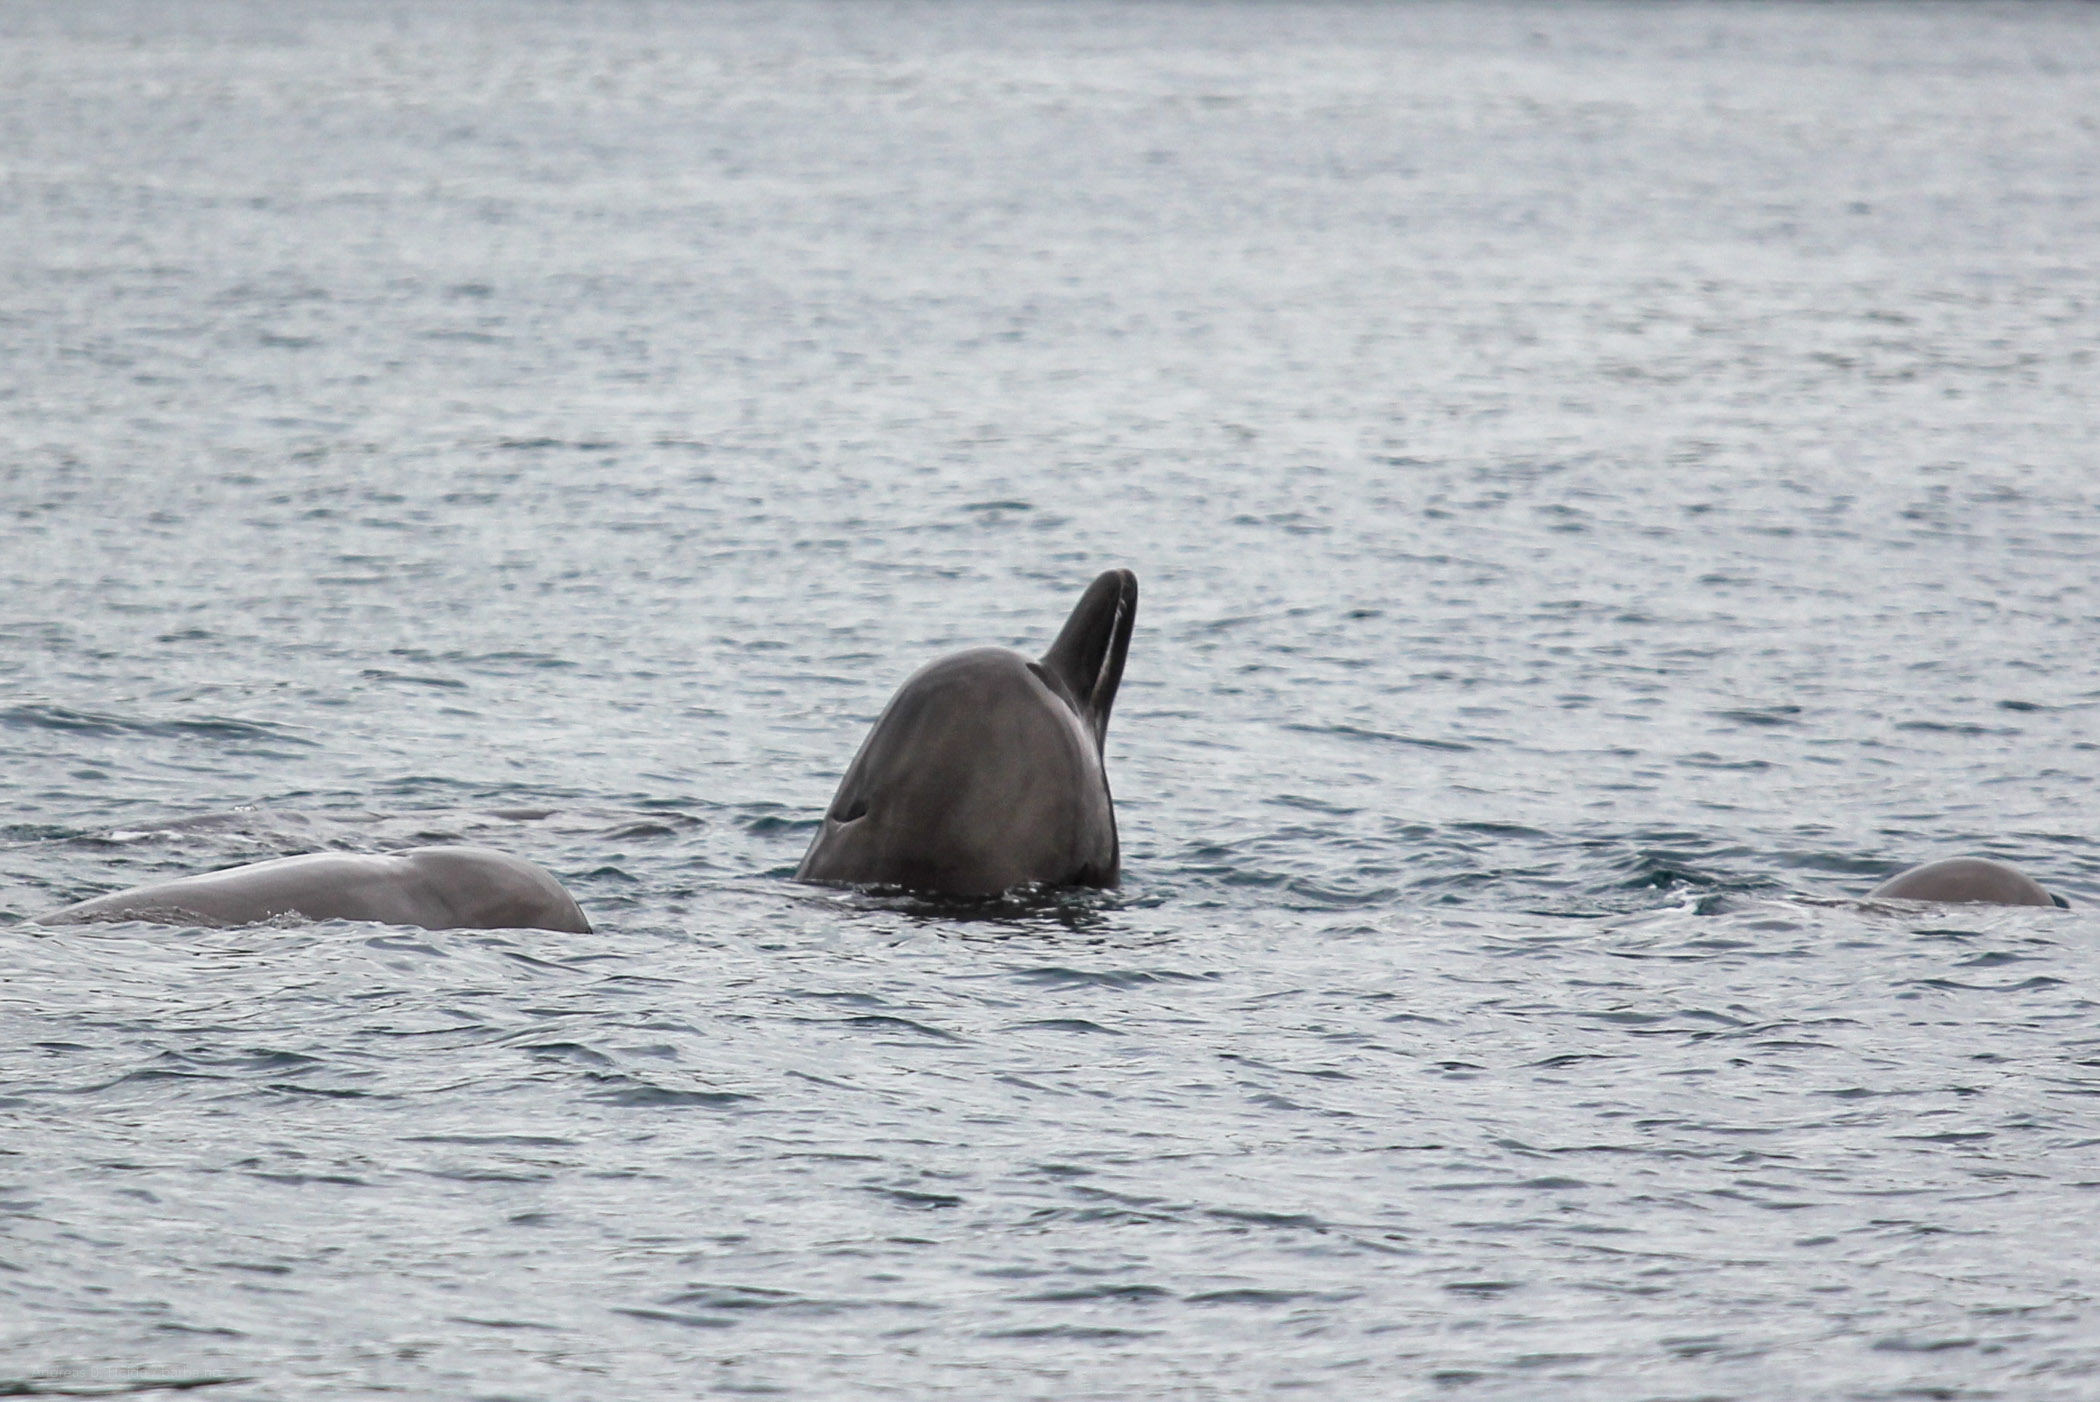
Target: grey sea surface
(1608,482)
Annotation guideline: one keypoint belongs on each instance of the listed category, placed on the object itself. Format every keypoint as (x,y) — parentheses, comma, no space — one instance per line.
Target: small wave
(62,718)
(1059,976)
(1301,1221)
(1251,1296)
(1089,1294)
(1948,985)
(642,1093)
(1355,732)
(744,1297)
(1073,1333)
(1067,1024)
(379,674)
(1030,906)
(770,824)
(646,828)
(1706,759)
(909,1197)
(32,1387)
(883,1022)
(689,1321)
(530,445)
(1761,715)
(1963,728)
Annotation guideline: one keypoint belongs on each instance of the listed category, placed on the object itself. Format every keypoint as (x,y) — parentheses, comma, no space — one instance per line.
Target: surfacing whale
(437,888)
(1966,880)
(985,771)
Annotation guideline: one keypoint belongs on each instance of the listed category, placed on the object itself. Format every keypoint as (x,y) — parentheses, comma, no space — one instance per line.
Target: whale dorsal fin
(1087,658)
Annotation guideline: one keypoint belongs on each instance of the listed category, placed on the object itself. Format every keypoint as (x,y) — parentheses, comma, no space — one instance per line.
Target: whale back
(436,888)
(985,770)
(1963,880)
(482,889)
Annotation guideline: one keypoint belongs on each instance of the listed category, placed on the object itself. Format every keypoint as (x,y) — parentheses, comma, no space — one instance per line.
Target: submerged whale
(985,771)
(438,888)
(1966,879)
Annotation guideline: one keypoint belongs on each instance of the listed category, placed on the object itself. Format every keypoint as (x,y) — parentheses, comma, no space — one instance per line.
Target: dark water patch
(614,1088)
(503,1324)
(1070,1333)
(505,662)
(1315,1073)
(1662,871)
(877,1022)
(681,1318)
(1293,1221)
(2040,981)
(1353,732)
(525,1141)
(631,831)
(912,1198)
(322,1092)
(1022,908)
(776,824)
(34,1387)
(529,445)
(866,1000)
(376,674)
(1118,1293)
(745,1297)
(1313,805)
(1058,976)
(108,725)
(29,835)
(485,1175)
(1707,760)
(1515,831)
(1307,894)
(1761,716)
(300,1180)
(1992,959)
(1066,1024)
(147,1077)
(574,1052)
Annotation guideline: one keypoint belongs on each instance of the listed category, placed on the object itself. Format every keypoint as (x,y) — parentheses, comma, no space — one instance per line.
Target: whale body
(1959,880)
(437,888)
(986,770)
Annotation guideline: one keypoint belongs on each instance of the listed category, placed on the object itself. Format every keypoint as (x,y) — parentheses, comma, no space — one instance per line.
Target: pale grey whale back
(1964,880)
(437,888)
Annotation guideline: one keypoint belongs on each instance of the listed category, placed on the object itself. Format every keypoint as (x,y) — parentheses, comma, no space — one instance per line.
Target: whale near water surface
(985,771)
(436,888)
(1966,880)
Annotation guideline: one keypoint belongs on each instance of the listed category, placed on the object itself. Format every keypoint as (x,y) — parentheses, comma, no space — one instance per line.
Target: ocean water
(1608,483)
